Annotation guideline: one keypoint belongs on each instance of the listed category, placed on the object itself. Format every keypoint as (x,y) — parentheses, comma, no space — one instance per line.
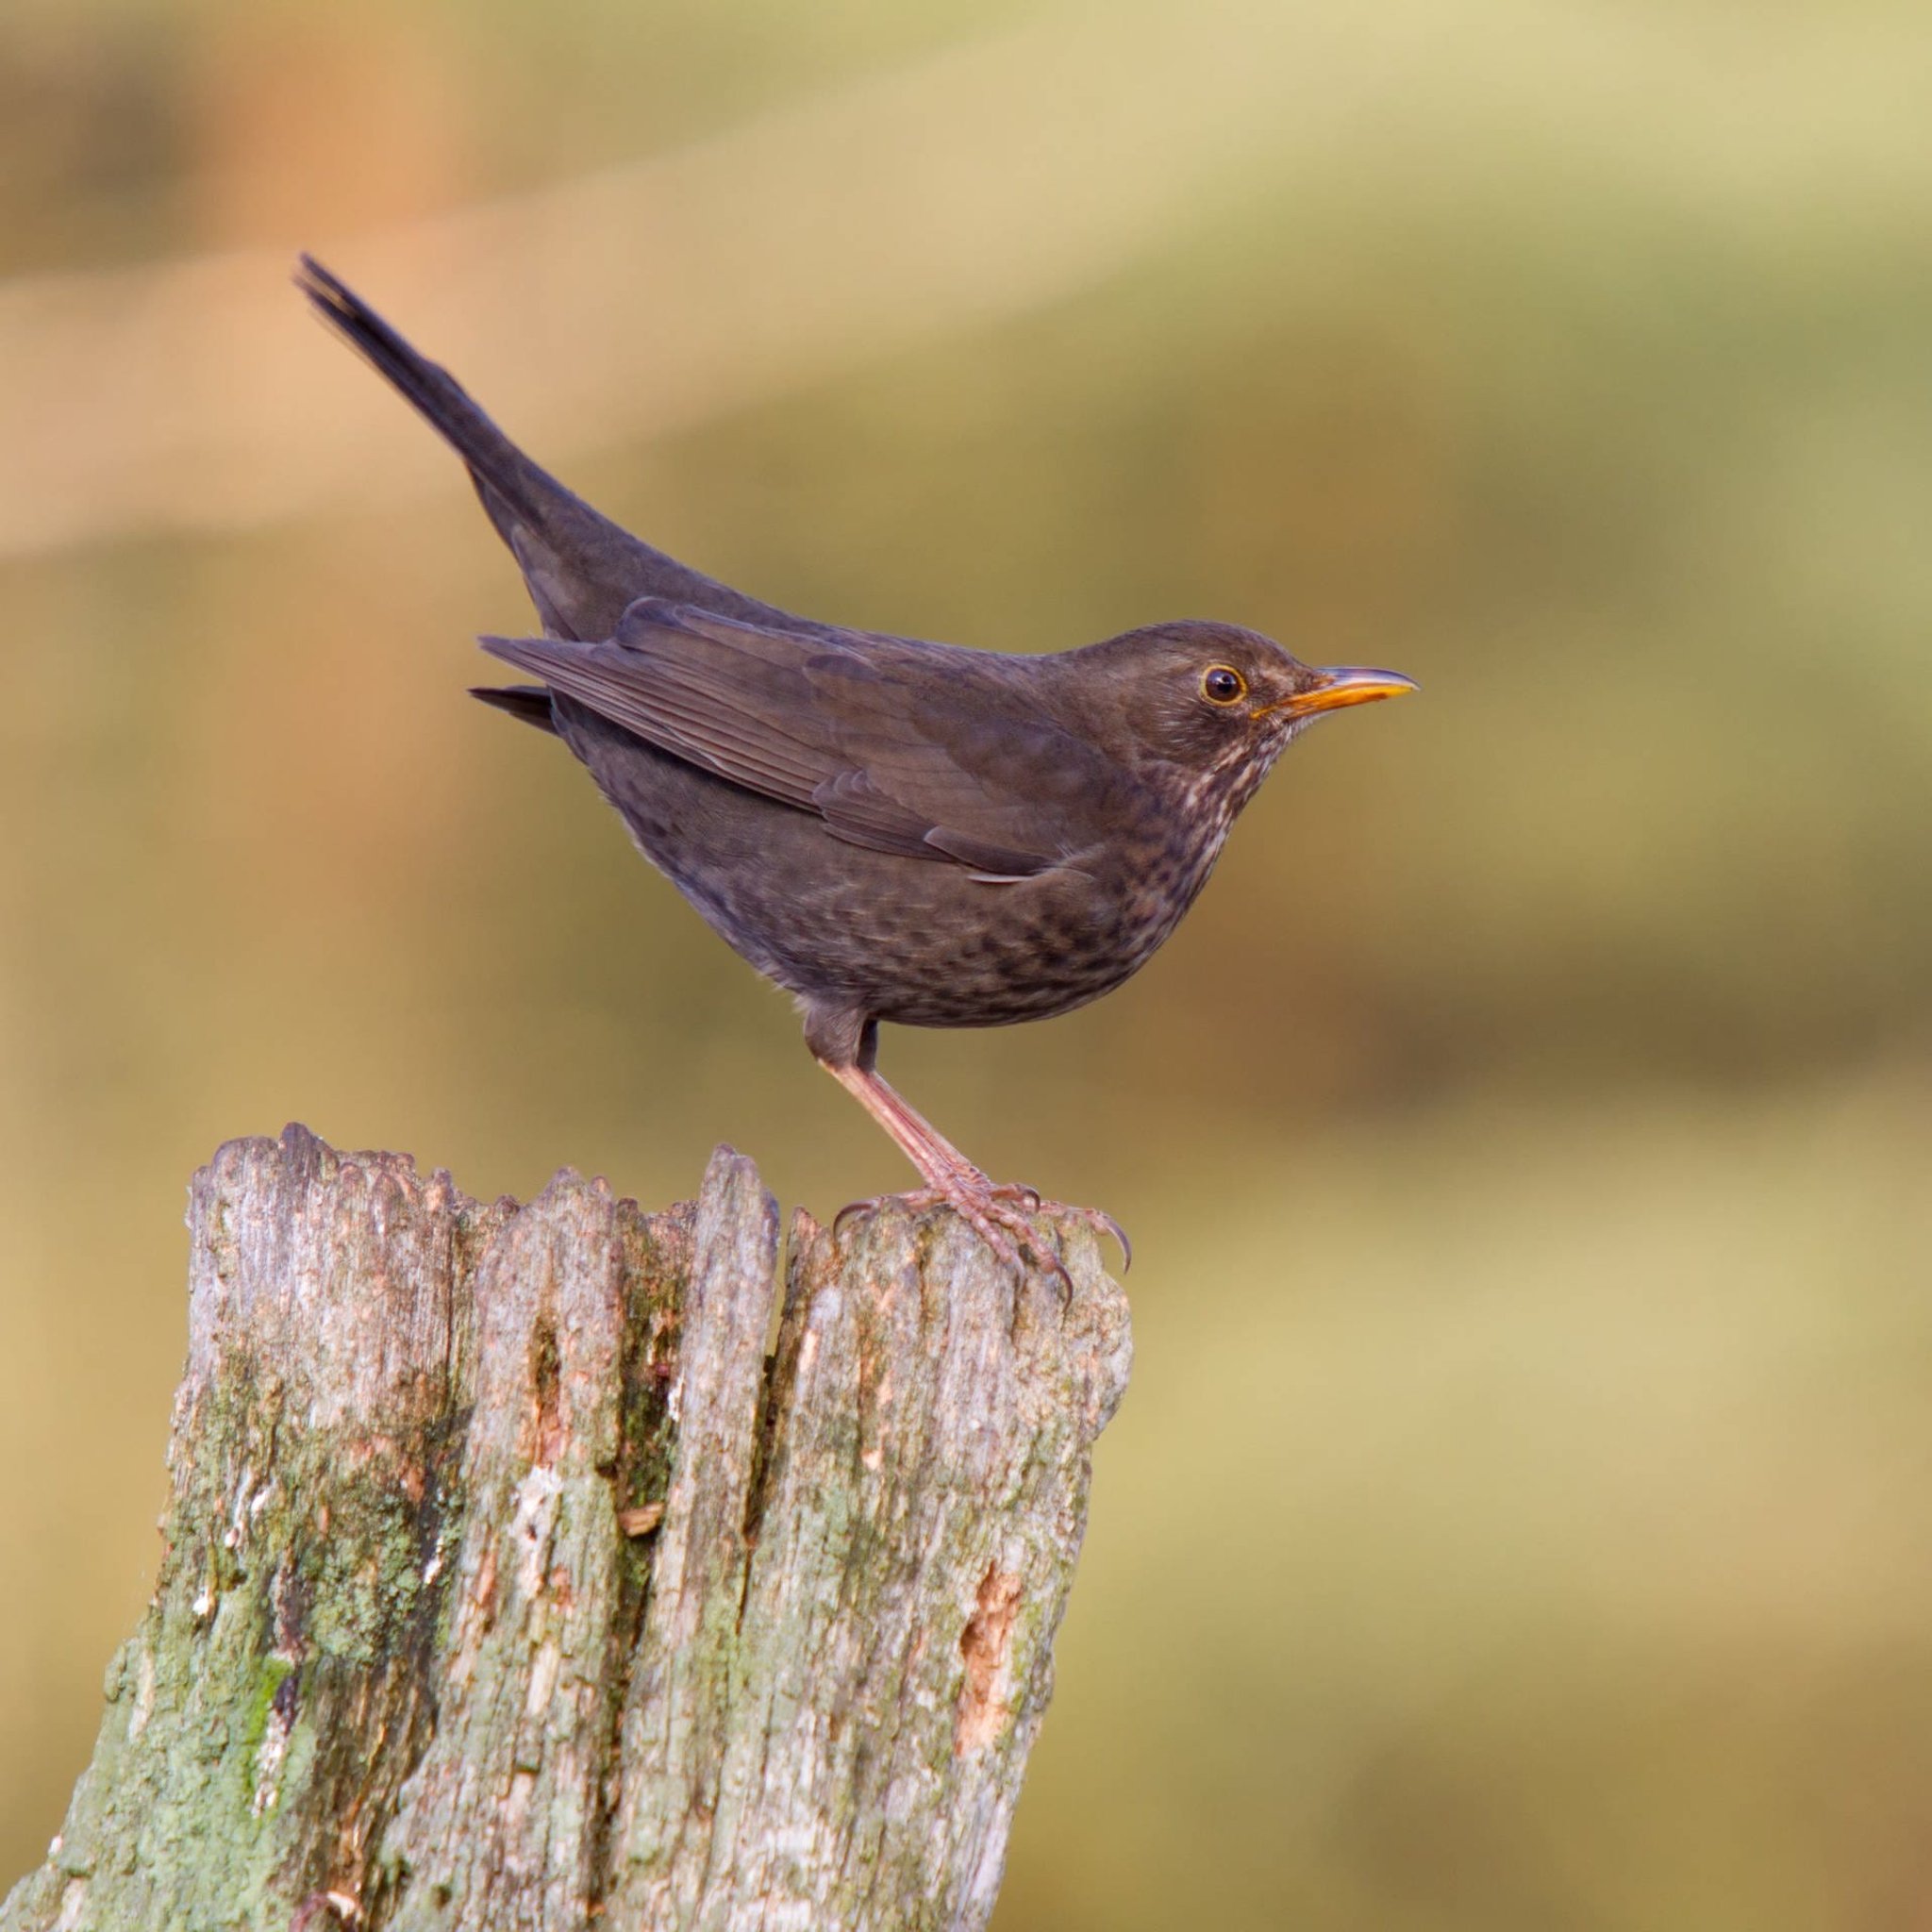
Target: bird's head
(1217,701)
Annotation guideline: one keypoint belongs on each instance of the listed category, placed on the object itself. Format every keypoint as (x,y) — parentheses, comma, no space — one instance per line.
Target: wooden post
(510,1583)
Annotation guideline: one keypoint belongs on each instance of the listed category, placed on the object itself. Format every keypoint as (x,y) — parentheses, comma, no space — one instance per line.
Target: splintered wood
(508,1582)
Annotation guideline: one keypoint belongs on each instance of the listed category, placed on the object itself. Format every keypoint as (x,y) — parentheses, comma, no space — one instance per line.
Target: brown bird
(890,829)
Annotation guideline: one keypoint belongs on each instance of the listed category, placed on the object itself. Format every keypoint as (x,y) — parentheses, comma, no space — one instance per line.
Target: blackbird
(890,829)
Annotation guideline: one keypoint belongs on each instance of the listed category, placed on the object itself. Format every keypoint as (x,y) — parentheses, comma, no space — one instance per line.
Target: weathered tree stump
(510,1583)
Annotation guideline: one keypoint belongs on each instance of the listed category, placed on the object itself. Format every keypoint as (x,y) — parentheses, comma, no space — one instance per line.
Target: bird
(890,829)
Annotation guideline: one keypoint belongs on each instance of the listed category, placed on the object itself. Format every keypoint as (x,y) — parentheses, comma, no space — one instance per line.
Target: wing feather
(922,758)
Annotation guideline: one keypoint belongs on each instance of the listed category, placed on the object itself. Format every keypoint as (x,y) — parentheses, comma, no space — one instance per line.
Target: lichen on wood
(508,1581)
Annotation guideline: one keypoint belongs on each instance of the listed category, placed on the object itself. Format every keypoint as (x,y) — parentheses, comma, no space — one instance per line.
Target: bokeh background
(1521,1516)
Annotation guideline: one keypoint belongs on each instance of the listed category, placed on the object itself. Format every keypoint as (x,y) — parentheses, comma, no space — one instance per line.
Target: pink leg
(999,1213)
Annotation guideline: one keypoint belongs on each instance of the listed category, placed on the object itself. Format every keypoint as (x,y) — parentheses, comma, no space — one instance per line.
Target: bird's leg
(998,1212)
(939,1163)
(950,1178)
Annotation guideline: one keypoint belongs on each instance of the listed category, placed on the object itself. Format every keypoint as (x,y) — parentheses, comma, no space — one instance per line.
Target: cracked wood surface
(510,1582)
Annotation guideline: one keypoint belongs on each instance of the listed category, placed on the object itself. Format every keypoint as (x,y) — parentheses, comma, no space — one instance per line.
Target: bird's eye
(1220,685)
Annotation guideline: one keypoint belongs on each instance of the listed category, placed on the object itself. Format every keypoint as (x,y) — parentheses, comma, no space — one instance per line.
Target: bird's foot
(1003,1214)
(998,1215)
(1031,1200)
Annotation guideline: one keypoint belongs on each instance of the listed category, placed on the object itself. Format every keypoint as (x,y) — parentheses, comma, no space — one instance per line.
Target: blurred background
(1521,1515)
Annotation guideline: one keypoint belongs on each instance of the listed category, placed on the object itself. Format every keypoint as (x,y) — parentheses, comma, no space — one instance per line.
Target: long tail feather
(581,569)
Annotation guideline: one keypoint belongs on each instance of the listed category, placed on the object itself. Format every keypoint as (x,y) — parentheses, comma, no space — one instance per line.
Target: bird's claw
(1101,1221)
(1017,1191)
(1001,1215)
(1098,1219)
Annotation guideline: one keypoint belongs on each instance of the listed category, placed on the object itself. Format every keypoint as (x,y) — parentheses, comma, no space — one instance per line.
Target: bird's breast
(1030,949)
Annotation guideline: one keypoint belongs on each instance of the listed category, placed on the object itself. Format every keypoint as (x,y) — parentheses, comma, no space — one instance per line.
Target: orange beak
(1341,686)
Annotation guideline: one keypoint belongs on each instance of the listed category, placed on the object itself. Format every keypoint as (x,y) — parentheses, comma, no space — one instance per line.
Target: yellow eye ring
(1222,684)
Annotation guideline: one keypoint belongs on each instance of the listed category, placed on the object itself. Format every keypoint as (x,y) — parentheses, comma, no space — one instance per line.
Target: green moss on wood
(402,1650)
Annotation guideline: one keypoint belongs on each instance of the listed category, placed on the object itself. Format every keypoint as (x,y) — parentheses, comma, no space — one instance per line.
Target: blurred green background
(1521,1515)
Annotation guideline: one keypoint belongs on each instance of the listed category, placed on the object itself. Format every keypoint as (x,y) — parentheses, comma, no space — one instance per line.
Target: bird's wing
(897,757)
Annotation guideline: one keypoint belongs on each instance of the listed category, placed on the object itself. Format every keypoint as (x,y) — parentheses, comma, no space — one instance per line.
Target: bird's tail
(530,703)
(582,569)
